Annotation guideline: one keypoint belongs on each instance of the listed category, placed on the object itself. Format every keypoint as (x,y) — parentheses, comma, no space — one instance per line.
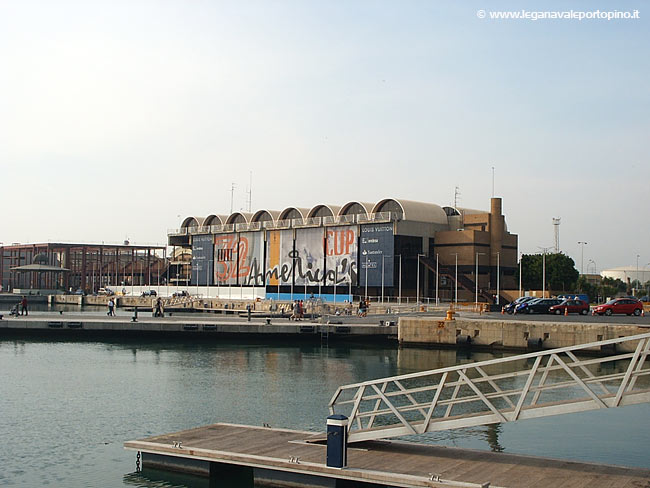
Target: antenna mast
(232,195)
(456,195)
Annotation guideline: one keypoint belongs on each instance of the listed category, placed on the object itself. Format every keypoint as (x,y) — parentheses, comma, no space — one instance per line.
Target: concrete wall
(509,334)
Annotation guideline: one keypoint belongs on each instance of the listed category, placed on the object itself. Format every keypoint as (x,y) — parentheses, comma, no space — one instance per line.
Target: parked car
(510,307)
(572,306)
(540,305)
(182,293)
(149,293)
(574,296)
(105,291)
(627,306)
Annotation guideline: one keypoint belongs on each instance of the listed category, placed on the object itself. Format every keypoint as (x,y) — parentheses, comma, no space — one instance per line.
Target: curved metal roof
(417,211)
(232,218)
(367,206)
(301,210)
(333,209)
(410,210)
(214,219)
(192,222)
(274,214)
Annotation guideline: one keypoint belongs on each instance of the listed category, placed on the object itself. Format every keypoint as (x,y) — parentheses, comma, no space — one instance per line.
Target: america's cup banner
(341,254)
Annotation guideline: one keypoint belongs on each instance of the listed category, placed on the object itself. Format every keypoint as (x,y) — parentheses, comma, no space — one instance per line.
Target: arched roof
(293,213)
(451,211)
(354,207)
(323,210)
(192,222)
(417,211)
(214,220)
(238,218)
(263,215)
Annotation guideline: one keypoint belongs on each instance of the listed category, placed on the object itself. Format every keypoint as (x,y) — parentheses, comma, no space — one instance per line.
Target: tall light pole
(582,259)
(498,274)
(437,279)
(456,280)
(544,250)
(365,253)
(417,293)
(521,255)
(637,268)
(399,289)
(382,277)
(476,276)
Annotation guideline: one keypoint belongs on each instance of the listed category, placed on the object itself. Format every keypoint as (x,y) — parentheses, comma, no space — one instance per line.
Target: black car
(510,307)
(542,305)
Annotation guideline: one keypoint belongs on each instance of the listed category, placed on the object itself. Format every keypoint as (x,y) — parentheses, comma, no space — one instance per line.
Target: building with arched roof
(390,247)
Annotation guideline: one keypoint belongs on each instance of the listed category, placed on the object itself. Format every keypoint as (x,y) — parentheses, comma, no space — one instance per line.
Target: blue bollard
(337,441)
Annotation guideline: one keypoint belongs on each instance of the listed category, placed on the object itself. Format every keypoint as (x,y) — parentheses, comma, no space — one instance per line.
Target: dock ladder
(539,384)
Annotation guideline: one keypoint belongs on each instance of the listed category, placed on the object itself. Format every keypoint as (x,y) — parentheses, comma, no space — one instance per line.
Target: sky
(120,118)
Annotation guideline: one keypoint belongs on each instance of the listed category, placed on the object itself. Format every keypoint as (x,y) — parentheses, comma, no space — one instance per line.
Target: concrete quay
(509,334)
(190,327)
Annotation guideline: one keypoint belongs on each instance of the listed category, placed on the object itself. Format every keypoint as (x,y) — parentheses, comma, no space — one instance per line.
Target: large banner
(251,259)
(226,254)
(377,254)
(341,252)
(309,256)
(202,259)
(279,254)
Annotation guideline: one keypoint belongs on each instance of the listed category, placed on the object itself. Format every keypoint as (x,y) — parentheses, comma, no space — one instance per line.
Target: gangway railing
(526,386)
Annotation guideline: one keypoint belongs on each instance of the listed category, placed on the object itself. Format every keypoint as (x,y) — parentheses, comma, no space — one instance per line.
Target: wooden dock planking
(388,462)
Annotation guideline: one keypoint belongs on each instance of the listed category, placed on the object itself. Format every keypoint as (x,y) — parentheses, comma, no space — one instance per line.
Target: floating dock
(280,457)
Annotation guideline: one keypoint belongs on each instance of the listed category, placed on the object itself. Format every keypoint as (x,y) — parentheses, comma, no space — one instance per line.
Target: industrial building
(391,248)
(48,268)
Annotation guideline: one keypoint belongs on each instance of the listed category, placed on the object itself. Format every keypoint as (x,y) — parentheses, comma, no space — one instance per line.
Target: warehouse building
(391,248)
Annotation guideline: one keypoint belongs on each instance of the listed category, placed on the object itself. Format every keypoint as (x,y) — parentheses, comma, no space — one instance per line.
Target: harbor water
(66,407)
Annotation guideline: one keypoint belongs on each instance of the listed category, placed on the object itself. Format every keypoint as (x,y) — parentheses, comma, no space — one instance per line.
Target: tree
(561,274)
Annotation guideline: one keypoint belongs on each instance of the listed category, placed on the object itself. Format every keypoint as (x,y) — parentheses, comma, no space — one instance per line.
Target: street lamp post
(365,253)
(437,279)
(582,259)
(544,250)
(498,274)
(476,276)
(520,260)
(417,292)
(399,288)
(637,268)
(382,278)
(456,280)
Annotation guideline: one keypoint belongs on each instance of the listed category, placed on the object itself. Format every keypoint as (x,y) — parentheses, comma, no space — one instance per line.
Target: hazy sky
(119,118)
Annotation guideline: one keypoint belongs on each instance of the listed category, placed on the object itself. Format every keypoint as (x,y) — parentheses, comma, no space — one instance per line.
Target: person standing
(159,308)
(111,308)
(23,305)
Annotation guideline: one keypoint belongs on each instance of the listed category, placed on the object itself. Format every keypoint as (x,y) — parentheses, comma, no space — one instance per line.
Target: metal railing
(501,390)
(288,223)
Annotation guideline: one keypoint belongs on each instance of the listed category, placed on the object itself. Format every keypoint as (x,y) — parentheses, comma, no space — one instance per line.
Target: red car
(627,306)
(574,306)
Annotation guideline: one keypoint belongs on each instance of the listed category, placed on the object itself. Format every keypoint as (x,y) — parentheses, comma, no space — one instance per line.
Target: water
(67,407)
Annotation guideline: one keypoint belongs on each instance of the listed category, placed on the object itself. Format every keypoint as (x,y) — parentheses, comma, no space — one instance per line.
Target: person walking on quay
(159,308)
(23,306)
(111,308)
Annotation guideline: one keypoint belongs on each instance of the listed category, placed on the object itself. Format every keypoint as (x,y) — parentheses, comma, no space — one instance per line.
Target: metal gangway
(526,386)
